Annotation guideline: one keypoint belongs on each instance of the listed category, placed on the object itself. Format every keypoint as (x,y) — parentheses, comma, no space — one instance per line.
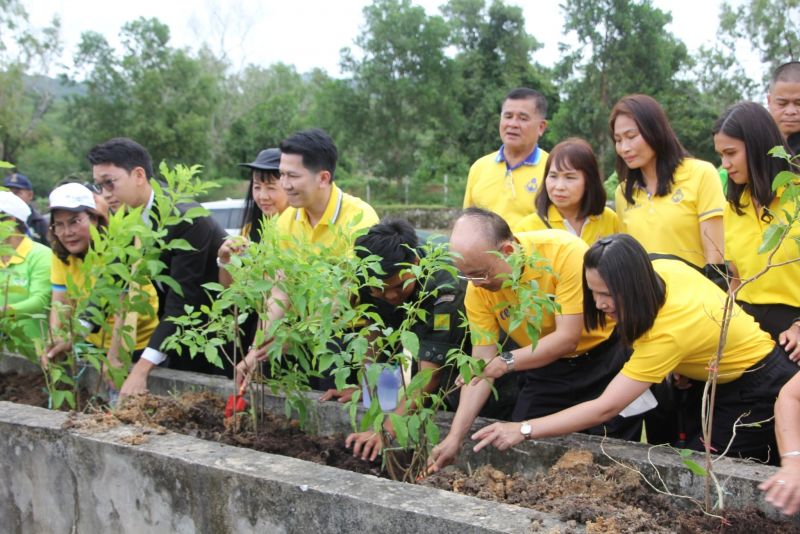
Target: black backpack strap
(659,256)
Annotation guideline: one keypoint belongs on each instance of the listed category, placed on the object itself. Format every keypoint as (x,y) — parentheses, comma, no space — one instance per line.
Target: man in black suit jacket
(123,169)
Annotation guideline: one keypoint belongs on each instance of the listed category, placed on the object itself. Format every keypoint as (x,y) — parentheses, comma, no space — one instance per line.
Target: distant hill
(57,86)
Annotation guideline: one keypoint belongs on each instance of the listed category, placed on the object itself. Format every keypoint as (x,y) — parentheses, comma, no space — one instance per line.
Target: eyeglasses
(108,185)
(474,279)
(95,188)
(72,224)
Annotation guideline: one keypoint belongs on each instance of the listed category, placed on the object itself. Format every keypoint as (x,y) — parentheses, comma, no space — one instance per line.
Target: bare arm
(783,488)
(712,235)
(620,392)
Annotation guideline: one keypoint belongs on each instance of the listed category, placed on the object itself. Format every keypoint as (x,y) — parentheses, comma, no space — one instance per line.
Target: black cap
(267,160)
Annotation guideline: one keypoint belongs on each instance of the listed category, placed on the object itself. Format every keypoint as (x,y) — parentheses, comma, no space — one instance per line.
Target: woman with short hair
(573,198)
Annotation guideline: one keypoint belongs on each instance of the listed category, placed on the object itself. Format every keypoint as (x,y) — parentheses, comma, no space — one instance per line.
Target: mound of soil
(605,498)
(24,389)
(202,415)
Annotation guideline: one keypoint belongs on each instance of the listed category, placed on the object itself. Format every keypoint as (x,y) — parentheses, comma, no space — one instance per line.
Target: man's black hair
(394,240)
(525,93)
(316,148)
(122,152)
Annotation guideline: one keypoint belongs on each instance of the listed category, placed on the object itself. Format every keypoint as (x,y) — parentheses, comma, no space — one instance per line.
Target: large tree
(163,97)
(622,47)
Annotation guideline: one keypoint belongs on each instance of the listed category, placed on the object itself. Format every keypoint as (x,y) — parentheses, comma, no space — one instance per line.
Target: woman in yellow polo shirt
(573,198)
(668,313)
(743,136)
(73,211)
(671,203)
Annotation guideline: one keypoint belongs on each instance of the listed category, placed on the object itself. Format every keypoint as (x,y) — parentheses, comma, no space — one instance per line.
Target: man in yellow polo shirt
(568,364)
(320,214)
(783,102)
(506,181)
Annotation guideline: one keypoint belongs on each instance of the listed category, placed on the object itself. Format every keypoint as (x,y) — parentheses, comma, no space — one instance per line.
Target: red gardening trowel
(236,401)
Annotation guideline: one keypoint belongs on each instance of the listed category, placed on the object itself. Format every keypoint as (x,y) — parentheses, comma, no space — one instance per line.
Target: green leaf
(783,178)
(414,425)
(432,432)
(695,468)
(771,237)
(400,429)
(410,342)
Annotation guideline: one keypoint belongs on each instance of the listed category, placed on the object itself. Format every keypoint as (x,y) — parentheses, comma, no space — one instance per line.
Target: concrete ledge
(54,480)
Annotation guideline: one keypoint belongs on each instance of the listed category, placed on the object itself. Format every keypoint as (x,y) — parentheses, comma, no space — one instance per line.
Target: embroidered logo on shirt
(441,321)
(532,186)
(677,196)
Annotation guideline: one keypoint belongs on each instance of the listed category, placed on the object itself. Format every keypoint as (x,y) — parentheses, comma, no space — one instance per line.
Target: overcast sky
(310,33)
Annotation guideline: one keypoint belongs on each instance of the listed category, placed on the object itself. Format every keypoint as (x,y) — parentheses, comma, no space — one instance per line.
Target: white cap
(11,204)
(72,197)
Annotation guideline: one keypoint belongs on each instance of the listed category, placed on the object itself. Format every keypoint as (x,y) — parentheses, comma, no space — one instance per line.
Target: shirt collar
(332,211)
(532,159)
(22,250)
(148,206)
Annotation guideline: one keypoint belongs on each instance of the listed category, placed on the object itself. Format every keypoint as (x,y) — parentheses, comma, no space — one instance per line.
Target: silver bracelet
(790,454)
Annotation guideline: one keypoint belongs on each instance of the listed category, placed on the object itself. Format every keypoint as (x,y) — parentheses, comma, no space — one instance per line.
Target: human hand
(500,435)
(494,369)
(365,444)
(136,383)
(56,349)
(783,488)
(444,454)
(341,395)
(231,246)
(245,368)
(680,381)
(790,340)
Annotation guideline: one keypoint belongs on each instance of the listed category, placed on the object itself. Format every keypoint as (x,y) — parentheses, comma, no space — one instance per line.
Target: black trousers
(570,381)
(751,397)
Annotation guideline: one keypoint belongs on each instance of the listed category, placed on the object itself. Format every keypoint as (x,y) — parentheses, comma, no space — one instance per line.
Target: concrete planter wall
(54,480)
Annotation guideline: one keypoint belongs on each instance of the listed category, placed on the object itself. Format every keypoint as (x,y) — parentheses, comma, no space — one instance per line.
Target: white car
(228,213)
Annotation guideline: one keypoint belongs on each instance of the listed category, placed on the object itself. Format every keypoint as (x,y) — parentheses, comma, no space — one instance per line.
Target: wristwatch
(525,430)
(508,357)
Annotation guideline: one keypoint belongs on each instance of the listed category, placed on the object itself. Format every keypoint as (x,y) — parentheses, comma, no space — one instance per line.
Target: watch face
(525,429)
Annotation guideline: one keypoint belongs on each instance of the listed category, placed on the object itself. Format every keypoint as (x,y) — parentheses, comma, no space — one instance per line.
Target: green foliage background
(419,97)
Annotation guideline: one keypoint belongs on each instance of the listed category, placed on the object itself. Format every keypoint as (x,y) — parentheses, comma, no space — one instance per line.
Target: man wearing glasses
(567,366)
(506,181)
(123,169)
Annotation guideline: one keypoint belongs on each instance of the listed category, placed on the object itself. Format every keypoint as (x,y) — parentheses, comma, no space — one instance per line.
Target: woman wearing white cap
(24,281)
(73,211)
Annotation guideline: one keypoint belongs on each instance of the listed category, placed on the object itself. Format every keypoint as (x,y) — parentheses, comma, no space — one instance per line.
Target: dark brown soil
(202,415)
(604,498)
(23,389)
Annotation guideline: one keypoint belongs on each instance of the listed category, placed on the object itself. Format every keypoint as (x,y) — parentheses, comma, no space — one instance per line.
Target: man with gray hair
(783,101)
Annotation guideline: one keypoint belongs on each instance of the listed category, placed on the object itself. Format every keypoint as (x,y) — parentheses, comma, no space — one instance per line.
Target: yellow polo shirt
(510,194)
(343,217)
(686,331)
(743,235)
(595,227)
(488,311)
(671,224)
(145,325)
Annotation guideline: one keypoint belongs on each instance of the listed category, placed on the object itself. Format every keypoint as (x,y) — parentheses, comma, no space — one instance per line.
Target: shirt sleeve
(710,199)
(468,202)
(654,356)
(39,288)
(483,325)
(58,274)
(569,266)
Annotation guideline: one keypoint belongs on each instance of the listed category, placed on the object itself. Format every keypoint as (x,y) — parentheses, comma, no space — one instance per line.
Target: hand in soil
(783,488)
(366,444)
(500,435)
(443,454)
(341,395)
(136,383)
(58,348)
